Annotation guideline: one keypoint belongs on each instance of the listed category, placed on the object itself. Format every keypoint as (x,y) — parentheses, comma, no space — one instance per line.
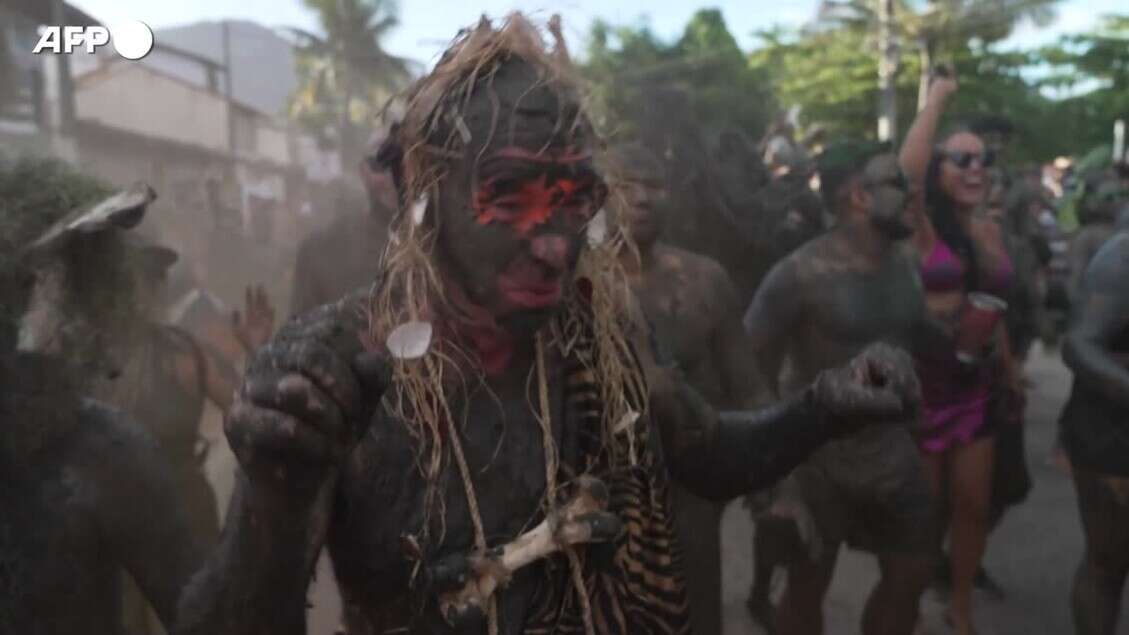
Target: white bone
(563,528)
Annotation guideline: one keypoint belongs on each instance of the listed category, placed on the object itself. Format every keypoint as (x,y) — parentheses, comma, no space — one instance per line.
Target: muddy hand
(306,400)
(878,384)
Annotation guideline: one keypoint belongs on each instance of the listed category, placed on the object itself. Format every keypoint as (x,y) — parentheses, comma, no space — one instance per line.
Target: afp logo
(132,40)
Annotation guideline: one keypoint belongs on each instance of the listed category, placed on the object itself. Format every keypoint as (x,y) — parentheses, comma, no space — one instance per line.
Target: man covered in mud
(161,375)
(156,373)
(817,308)
(461,434)
(769,208)
(691,308)
(344,256)
(1105,199)
(84,491)
(1095,433)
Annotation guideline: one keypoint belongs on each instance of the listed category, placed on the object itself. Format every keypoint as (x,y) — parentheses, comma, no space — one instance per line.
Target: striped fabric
(635,586)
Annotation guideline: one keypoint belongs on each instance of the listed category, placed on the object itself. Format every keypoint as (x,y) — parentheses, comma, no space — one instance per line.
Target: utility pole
(887,72)
(227,88)
(1119,141)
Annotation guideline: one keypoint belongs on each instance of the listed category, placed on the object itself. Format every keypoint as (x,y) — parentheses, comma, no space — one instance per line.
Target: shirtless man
(819,306)
(1095,433)
(343,256)
(691,307)
(85,492)
(1100,210)
(416,427)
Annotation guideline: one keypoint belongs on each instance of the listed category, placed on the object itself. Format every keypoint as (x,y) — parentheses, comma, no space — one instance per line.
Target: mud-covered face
(888,188)
(645,196)
(51,325)
(964,175)
(512,211)
(82,310)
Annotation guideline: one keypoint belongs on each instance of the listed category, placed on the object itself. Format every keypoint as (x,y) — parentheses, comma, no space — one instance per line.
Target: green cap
(842,160)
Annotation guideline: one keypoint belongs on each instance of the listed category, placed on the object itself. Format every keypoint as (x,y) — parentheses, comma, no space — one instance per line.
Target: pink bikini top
(943,272)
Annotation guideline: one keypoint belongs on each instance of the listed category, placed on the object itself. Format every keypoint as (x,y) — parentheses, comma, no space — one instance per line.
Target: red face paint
(529,203)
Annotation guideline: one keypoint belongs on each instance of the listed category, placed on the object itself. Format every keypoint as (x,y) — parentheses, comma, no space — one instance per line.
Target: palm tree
(346,75)
(933,27)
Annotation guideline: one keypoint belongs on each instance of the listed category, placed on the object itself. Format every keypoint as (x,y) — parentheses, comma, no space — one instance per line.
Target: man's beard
(38,404)
(891,227)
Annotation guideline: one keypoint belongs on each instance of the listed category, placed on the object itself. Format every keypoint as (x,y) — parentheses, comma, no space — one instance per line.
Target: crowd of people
(513,396)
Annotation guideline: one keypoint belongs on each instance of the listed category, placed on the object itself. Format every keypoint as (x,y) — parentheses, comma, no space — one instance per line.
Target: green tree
(830,73)
(938,29)
(1093,68)
(345,76)
(643,85)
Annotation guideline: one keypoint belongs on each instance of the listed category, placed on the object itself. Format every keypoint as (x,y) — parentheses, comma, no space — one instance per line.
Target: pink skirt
(954,403)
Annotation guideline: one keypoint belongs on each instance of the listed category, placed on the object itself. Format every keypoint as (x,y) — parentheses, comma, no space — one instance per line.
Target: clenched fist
(878,384)
(307,395)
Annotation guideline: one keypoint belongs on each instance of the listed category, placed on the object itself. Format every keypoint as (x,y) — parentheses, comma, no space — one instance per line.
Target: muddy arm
(220,378)
(733,354)
(774,313)
(256,580)
(1082,250)
(917,149)
(291,427)
(723,456)
(137,508)
(1102,315)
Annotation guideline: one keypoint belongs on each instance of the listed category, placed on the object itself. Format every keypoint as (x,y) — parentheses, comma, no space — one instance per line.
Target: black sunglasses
(963,159)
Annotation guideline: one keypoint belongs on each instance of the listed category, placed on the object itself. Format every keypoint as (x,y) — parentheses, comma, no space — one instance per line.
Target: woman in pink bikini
(962,251)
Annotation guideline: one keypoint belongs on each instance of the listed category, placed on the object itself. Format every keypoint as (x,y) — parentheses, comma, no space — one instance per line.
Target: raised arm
(1101,317)
(917,149)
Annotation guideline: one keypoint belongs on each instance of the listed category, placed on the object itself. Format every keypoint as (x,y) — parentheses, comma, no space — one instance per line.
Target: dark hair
(942,212)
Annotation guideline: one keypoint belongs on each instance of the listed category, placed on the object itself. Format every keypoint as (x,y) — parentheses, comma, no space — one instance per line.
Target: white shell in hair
(625,422)
(598,228)
(419,210)
(464,130)
(409,340)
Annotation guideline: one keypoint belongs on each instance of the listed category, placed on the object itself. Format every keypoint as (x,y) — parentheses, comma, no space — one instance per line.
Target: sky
(428,25)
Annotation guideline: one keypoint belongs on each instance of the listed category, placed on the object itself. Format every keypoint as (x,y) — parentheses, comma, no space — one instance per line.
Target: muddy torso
(165,399)
(58,576)
(681,297)
(382,497)
(851,303)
